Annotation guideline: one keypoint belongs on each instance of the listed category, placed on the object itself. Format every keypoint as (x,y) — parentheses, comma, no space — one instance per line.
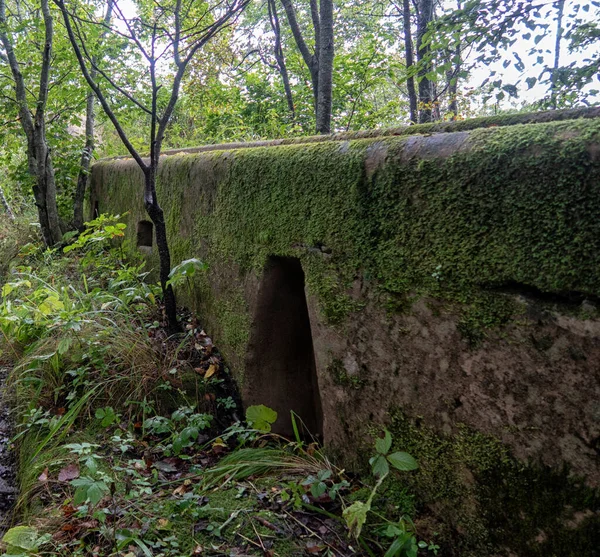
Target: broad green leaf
(402,461)
(317,489)
(355,516)
(383,445)
(261,417)
(22,537)
(380,466)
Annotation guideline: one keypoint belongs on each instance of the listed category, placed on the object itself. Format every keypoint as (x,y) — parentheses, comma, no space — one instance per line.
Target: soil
(7,471)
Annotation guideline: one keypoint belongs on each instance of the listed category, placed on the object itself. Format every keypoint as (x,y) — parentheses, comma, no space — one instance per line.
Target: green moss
(450,216)
(485,501)
(341,377)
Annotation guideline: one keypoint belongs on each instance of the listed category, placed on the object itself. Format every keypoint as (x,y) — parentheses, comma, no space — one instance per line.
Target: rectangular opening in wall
(280,367)
(145,235)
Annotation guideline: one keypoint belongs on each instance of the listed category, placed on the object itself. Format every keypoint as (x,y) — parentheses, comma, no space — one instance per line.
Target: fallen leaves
(68,473)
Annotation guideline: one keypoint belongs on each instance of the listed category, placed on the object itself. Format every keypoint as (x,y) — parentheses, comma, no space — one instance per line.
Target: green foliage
(180,431)
(185,272)
(261,417)
(23,540)
(404,543)
(107,416)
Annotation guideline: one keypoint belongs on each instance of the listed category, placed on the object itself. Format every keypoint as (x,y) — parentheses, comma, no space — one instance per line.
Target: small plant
(356,514)
(186,271)
(322,483)
(107,416)
(98,232)
(181,430)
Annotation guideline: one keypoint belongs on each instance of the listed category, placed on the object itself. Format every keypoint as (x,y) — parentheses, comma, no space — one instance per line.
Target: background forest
(129,433)
(275,68)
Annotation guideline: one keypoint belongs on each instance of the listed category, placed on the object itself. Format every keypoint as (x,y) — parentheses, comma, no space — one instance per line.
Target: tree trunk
(280,58)
(157,216)
(6,205)
(410,62)
(320,62)
(425,16)
(88,150)
(326,55)
(84,164)
(38,153)
(452,77)
(559,33)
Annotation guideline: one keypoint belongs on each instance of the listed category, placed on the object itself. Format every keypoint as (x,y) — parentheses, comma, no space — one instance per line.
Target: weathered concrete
(452,283)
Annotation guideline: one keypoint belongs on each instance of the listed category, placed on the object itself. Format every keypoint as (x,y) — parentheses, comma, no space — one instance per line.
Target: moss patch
(486,502)
(450,215)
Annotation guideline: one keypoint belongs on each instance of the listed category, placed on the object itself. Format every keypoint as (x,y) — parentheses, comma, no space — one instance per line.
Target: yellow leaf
(212,369)
(163,524)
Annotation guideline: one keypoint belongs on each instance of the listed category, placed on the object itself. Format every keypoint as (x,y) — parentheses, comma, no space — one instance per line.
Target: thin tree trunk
(157,216)
(38,153)
(280,58)
(410,62)
(84,163)
(560,4)
(326,56)
(452,78)
(319,63)
(88,149)
(6,205)
(425,16)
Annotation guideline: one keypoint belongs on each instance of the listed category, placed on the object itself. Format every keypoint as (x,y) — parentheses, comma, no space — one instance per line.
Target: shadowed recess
(144,234)
(280,363)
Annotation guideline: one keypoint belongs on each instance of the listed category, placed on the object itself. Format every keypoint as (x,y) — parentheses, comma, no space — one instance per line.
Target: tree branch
(94,86)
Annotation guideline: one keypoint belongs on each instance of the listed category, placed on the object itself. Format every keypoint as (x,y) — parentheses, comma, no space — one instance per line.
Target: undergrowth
(131,442)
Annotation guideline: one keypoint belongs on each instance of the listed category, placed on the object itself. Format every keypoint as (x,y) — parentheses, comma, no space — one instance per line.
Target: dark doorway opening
(144,234)
(280,365)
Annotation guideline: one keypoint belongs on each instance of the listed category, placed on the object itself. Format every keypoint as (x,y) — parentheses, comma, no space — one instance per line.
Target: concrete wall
(451,285)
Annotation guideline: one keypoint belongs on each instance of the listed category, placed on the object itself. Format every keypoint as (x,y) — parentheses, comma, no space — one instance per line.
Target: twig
(262,545)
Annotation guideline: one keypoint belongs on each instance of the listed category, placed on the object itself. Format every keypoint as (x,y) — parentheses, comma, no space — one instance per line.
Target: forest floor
(130,442)
(7,465)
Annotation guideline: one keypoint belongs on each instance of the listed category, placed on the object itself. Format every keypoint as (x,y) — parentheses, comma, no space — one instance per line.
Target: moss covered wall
(452,276)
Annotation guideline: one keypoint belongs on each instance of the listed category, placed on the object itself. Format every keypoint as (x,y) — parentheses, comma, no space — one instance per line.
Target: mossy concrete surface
(452,277)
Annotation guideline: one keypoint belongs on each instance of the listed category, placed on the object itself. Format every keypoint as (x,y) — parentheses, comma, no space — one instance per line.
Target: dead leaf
(314,547)
(68,473)
(163,524)
(44,475)
(165,466)
(219,446)
(183,488)
(212,369)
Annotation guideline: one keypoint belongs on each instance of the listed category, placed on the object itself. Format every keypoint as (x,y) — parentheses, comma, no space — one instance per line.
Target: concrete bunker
(280,362)
(144,235)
